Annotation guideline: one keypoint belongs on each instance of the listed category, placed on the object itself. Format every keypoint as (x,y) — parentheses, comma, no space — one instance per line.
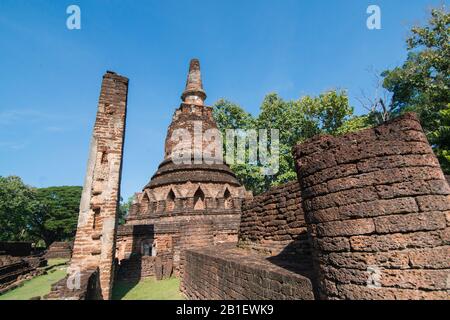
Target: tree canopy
(34,214)
(124,208)
(296,121)
(17,202)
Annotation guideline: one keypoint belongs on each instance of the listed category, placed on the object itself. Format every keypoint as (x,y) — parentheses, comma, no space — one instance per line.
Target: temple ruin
(368,219)
(184,205)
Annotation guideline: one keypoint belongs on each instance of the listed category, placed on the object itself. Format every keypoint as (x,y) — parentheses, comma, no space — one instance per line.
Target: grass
(56,261)
(148,289)
(38,286)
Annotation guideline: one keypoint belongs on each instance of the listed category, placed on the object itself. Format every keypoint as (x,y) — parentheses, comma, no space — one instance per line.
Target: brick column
(377,206)
(94,245)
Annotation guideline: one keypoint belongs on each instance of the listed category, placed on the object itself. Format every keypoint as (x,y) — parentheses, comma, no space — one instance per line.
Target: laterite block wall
(378,209)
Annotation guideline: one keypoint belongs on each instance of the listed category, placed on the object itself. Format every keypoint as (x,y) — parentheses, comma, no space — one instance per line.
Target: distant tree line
(421,85)
(40,215)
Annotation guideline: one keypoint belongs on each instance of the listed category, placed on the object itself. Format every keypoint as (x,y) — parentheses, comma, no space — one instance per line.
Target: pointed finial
(194,94)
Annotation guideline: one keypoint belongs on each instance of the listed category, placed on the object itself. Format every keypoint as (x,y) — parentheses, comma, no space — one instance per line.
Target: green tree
(422,83)
(296,121)
(55,218)
(355,123)
(124,208)
(17,202)
(229,115)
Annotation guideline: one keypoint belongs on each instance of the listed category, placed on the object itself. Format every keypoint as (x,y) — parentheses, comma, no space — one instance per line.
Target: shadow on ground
(122,288)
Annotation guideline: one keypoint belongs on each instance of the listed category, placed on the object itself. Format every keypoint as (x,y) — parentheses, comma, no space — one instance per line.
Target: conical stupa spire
(194,93)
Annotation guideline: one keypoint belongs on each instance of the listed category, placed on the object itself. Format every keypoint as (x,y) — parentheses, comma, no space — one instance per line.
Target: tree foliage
(57,214)
(17,202)
(296,121)
(33,214)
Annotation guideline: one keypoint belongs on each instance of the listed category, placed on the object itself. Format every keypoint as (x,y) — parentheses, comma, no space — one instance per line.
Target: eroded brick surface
(59,250)
(185,205)
(273,223)
(376,204)
(94,245)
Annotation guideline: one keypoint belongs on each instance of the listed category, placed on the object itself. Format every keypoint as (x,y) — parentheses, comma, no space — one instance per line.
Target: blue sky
(50,76)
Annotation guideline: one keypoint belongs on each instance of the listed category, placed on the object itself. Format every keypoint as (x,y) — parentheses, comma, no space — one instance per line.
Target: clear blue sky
(50,76)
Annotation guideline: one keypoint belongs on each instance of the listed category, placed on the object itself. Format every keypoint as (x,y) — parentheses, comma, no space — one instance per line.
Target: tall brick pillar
(377,206)
(94,245)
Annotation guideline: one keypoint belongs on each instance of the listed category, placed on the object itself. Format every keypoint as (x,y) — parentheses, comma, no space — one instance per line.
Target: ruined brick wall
(174,235)
(130,238)
(15,269)
(227,273)
(94,245)
(377,205)
(272,260)
(274,223)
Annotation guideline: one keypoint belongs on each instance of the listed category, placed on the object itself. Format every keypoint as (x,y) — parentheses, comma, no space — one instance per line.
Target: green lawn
(57,261)
(38,286)
(148,289)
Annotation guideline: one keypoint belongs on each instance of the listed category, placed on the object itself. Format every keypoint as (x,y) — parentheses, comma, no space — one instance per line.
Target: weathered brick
(333,244)
(366,209)
(410,222)
(359,260)
(360,292)
(434,203)
(431,258)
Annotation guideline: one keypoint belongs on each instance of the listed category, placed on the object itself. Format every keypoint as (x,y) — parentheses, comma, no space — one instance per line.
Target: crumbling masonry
(377,207)
(377,216)
(368,218)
